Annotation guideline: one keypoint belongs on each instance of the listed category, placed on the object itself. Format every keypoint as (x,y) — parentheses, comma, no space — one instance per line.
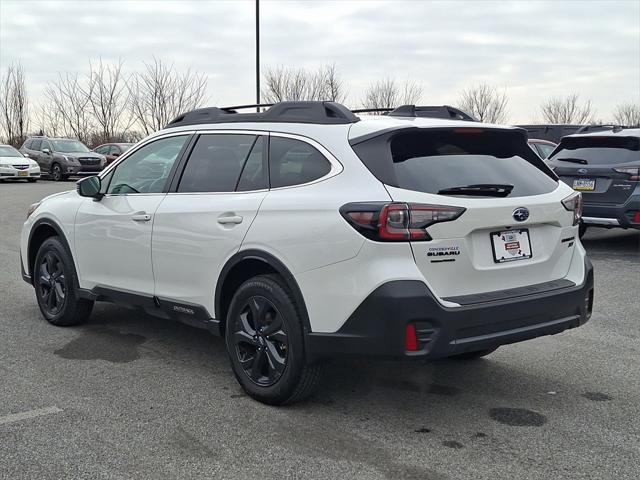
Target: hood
(82,155)
(17,161)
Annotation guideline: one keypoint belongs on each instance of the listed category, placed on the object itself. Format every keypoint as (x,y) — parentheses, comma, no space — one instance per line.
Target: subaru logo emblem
(521,214)
(582,171)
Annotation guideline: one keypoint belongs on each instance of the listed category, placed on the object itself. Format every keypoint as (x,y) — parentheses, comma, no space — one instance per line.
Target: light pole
(257,54)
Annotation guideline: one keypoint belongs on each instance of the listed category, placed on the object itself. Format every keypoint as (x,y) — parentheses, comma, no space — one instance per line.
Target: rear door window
(36,144)
(216,163)
(603,150)
(294,162)
(433,160)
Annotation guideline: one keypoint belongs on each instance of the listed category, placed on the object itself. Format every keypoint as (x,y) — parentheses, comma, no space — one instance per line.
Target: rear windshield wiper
(481,190)
(581,161)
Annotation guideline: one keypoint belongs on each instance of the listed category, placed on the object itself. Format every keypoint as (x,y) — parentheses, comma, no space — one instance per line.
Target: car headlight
(32,208)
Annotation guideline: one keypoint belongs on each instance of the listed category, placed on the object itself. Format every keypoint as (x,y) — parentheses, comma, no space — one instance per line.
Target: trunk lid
(461,257)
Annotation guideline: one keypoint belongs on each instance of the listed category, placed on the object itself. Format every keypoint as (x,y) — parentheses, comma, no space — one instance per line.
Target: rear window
(599,150)
(432,161)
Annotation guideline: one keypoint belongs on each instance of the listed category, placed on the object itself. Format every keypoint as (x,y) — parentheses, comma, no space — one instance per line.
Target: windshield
(599,150)
(69,146)
(7,151)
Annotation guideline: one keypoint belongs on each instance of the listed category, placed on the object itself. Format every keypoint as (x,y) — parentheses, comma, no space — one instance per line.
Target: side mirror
(25,155)
(46,150)
(116,154)
(90,187)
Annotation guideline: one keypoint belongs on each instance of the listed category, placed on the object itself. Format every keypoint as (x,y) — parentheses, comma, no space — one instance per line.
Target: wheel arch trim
(278,266)
(63,238)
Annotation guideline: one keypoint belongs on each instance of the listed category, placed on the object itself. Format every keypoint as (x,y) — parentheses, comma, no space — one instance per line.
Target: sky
(531,49)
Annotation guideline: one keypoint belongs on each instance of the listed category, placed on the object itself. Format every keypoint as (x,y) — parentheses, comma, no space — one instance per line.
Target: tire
(54,279)
(56,172)
(32,180)
(582,229)
(267,356)
(474,355)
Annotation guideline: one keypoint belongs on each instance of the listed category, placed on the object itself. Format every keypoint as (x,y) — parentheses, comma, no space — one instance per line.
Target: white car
(307,232)
(14,165)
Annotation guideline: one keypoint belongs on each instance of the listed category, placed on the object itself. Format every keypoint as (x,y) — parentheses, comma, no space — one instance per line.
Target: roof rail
(324,113)
(439,111)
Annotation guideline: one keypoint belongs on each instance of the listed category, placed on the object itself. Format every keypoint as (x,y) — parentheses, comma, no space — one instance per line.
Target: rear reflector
(636,218)
(410,338)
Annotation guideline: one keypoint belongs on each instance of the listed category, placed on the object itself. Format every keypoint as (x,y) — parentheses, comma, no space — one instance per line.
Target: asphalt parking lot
(130,396)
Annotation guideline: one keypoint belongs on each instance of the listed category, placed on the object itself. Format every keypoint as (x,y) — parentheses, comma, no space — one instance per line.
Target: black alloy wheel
(51,283)
(260,340)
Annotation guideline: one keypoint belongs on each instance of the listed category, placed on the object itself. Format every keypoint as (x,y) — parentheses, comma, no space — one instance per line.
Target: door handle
(141,217)
(232,219)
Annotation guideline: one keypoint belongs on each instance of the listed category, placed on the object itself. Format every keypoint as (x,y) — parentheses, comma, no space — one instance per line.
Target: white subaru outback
(306,232)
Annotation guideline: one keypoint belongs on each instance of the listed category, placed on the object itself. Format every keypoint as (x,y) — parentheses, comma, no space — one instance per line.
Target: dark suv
(605,167)
(61,158)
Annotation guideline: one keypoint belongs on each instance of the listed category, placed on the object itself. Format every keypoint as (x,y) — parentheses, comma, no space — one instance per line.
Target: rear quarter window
(294,162)
(431,160)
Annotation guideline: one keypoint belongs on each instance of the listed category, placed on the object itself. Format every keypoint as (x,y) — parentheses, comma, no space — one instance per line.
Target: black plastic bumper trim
(377,327)
(511,292)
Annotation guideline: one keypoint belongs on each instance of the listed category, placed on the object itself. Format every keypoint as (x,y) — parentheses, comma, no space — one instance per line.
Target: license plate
(23,174)
(510,245)
(584,184)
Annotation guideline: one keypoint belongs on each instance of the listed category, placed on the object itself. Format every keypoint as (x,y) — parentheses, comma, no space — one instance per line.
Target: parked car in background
(14,165)
(112,150)
(605,167)
(542,147)
(61,158)
(554,132)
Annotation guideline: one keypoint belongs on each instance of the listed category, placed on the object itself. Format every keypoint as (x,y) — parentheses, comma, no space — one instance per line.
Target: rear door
(203,221)
(503,239)
(604,168)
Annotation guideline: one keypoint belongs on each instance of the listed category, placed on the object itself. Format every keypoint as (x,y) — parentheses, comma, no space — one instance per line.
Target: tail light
(397,222)
(633,172)
(573,203)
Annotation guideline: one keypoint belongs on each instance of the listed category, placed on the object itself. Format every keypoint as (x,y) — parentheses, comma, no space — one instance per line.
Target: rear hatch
(604,168)
(514,231)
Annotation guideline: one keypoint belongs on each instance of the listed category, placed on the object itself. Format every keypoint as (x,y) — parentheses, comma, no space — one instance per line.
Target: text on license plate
(510,245)
(584,184)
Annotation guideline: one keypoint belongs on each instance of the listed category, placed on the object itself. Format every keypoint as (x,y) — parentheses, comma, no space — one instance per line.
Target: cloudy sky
(533,49)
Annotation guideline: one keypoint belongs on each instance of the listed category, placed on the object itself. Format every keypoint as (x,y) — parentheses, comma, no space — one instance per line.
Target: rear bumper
(604,215)
(377,327)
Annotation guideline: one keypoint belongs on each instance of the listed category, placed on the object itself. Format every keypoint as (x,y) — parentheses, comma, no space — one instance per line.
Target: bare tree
(567,110)
(486,103)
(48,120)
(388,93)
(627,114)
(287,84)
(108,100)
(14,106)
(160,93)
(70,96)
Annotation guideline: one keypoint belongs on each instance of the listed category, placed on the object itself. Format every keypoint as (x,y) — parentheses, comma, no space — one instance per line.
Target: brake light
(636,218)
(633,172)
(397,222)
(573,203)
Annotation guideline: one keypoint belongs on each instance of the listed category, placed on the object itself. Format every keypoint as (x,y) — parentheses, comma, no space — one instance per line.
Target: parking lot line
(16,417)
